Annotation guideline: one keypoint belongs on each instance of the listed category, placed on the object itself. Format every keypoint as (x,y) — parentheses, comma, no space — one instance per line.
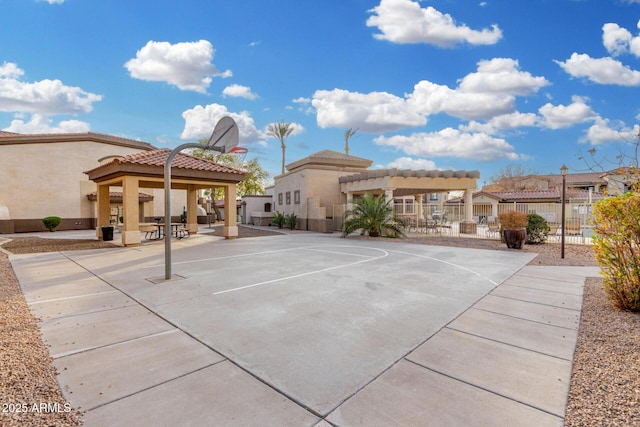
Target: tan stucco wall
(45,179)
(312,183)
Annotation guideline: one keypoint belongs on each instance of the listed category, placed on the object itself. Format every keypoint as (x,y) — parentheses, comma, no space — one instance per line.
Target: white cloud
(504,122)
(404,21)
(185,65)
(200,121)
(485,94)
(44,96)
(615,39)
(430,98)
(40,123)
(372,112)
(54,1)
(564,116)
(600,70)
(602,132)
(501,76)
(411,163)
(452,143)
(238,91)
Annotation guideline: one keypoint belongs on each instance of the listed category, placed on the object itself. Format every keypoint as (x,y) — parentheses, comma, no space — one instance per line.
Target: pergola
(396,183)
(146,170)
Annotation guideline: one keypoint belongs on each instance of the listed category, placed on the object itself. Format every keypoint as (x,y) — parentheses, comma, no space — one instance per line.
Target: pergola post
(131,207)
(192,209)
(468,226)
(230,230)
(104,209)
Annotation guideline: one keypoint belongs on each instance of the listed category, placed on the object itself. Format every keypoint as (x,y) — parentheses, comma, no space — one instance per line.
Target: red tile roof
(181,161)
(535,195)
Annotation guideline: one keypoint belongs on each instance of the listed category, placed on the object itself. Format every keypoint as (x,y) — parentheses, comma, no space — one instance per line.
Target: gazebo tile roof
(181,160)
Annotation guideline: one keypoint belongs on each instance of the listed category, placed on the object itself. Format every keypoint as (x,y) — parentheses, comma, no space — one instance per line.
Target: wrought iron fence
(447,218)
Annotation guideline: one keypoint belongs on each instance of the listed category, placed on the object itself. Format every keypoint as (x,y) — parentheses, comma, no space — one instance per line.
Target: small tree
(374,216)
(616,242)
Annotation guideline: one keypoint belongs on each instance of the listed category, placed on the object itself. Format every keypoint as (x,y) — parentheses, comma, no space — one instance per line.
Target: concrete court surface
(307,329)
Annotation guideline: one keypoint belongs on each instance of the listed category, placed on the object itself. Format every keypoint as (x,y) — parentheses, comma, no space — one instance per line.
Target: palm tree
(373,215)
(280,130)
(347,135)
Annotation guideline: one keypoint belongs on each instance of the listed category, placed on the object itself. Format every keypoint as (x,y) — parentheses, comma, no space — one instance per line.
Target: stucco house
(43,175)
(87,180)
(319,187)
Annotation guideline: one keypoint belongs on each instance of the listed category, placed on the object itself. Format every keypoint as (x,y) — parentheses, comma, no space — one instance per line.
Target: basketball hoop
(239,154)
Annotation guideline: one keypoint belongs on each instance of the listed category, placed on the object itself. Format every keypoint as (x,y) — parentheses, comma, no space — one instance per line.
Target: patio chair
(573,228)
(553,231)
(493,229)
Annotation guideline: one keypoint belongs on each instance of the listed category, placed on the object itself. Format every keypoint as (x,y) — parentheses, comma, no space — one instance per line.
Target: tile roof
(330,158)
(528,195)
(180,161)
(8,138)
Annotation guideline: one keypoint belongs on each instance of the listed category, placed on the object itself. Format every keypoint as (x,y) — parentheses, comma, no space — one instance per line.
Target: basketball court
(284,327)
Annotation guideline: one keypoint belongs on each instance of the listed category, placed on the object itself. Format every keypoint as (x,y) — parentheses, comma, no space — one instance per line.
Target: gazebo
(146,170)
(396,183)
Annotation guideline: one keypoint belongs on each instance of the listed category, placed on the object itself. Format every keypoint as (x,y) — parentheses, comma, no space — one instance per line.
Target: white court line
(295,276)
(227,257)
(297,248)
(71,297)
(451,264)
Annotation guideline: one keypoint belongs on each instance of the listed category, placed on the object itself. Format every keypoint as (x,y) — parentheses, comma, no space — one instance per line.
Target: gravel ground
(28,377)
(605,385)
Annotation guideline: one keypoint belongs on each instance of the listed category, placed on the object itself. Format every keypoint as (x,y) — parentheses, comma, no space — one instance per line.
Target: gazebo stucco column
(349,200)
(388,194)
(230,230)
(468,226)
(419,212)
(104,209)
(131,208)
(192,209)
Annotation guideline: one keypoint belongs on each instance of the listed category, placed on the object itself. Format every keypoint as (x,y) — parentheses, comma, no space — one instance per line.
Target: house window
(280,199)
(288,197)
(296,197)
(433,196)
(267,207)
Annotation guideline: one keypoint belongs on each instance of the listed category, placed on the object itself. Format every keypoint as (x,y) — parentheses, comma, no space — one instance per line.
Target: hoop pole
(167,202)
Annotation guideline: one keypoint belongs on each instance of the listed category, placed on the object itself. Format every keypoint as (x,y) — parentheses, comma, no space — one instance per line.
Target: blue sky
(439,84)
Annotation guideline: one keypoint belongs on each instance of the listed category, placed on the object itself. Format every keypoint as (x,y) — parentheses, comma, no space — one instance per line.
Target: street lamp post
(563,172)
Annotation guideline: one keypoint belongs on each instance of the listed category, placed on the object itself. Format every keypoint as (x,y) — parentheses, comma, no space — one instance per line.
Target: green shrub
(278,219)
(537,229)
(291,220)
(51,222)
(616,243)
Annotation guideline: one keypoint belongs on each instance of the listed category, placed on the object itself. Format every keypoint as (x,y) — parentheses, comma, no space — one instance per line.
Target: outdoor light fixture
(563,171)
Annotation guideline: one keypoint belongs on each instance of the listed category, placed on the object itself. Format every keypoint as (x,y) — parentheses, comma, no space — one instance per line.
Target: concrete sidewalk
(127,357)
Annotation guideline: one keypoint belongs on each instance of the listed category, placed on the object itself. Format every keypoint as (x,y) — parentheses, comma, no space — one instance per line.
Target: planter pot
(515,237)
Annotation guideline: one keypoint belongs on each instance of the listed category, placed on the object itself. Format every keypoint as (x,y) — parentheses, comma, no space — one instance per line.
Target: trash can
(107,233)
